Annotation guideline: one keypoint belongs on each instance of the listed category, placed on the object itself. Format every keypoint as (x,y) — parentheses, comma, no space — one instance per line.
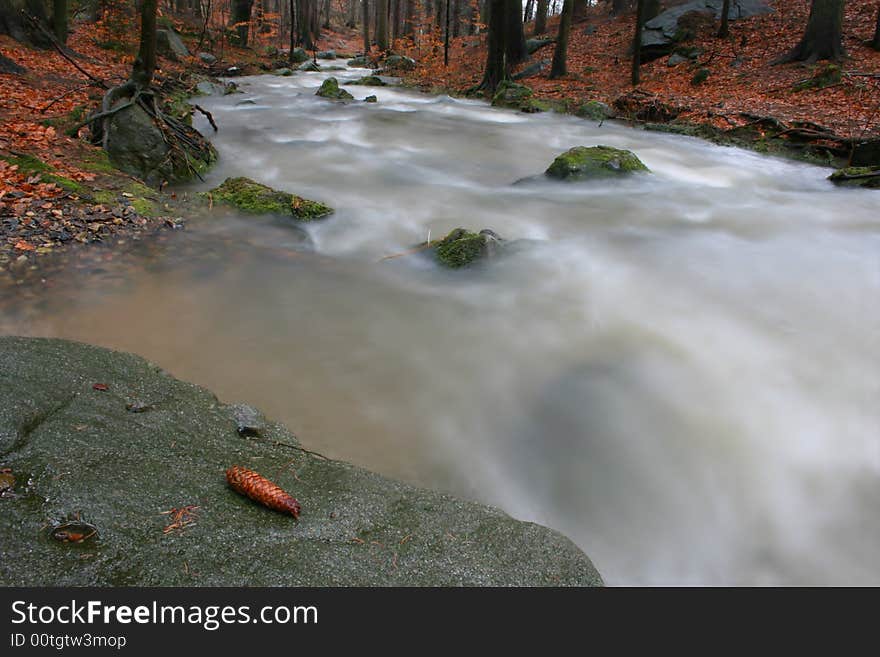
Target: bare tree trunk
(637,43)
(823,38)
(724,30)
(560,54)
(515,41)
(382,24)
(241,18)
(530,9)
(496,60)
(365,5)
(59,20)
(875,42)
(541,16)
(456,17)
(145,63)
(619,6)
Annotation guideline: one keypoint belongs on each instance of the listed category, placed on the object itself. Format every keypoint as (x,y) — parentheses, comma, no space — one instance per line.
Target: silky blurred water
(680,371)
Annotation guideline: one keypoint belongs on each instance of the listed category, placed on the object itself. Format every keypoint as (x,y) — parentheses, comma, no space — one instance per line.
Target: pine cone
(258,488)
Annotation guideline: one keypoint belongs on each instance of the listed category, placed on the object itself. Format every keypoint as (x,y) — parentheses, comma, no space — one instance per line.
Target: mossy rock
(330,89)
(370,81)
(867,177)
(824,76)
(298,56)
(371,99)
(535,106)
(594,110)
(461,247)
(400,63)
(284,72)
(700,77)
(309,67)
(512,95)
(359,62)
(255,198)
(589,162)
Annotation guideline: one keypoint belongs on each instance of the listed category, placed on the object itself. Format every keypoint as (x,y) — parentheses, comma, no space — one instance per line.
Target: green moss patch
(27,163)
(584,163)
(512,95)
(868,177)
(330,89)
(255,198)
(460,248)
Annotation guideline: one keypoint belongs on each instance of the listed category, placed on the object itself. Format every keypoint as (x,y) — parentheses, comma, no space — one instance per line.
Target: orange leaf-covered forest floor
(57,189)
(742,76)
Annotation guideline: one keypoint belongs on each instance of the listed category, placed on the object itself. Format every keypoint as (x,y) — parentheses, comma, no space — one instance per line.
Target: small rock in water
(371,99)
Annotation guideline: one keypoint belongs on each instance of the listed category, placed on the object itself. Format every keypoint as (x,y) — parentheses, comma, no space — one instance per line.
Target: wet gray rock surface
(92,482)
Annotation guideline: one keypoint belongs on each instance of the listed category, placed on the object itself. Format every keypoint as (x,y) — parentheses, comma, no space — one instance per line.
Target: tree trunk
(560,54)
(456,17)
(496,60)
(59,20)
(530,9)
(145,63)
(305,24)
(637,43)
(395,20)
(875,42)
(365,5)
(541,16)
(724,30)
(240,19)
(382,24)
(515,40)
(823,38)
(410,20)
(652,10)
(619,6)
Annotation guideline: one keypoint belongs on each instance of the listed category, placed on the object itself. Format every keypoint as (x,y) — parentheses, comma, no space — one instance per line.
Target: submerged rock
(330,89)
(512,95)
(255,198)
(587,163)
(121,471)
(326,54)
(867,177)
(461,248)
(285,72)
(369,81)
(371,99)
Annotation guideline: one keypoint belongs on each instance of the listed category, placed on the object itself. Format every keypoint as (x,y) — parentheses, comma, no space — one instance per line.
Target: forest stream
(680,371)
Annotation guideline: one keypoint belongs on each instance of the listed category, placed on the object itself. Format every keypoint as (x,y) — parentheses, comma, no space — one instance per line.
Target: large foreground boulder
(137,145)
(591,162)
(97,447)
(255,198)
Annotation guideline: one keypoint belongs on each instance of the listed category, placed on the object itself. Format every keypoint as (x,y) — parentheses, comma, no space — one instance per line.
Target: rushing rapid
(680,371)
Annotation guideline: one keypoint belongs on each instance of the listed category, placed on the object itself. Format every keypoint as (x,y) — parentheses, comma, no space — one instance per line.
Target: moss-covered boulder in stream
(590,162)
(512,95)
(113,459)
(867,177)
(370,81)
(461,247)
(330,89)
(255,198)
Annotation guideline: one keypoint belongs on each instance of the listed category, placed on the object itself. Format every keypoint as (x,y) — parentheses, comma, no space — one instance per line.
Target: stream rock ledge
(255,198)
(77,455)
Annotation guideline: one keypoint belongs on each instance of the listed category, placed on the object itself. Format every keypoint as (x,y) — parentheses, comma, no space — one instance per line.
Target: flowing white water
(679,371)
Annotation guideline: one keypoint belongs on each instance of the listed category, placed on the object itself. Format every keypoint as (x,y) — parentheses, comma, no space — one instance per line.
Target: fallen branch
(60,50)
(208,116)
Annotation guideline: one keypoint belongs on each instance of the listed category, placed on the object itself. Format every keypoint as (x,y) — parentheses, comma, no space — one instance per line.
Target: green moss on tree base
(255,198)
(584,163)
